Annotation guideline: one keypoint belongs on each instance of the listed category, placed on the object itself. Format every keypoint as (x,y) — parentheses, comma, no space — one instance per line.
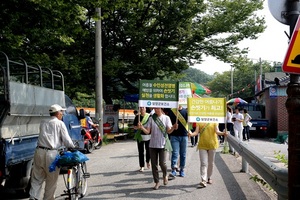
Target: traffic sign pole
(293,108)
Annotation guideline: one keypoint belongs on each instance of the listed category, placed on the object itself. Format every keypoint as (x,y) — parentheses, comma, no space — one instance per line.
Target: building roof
(269,79)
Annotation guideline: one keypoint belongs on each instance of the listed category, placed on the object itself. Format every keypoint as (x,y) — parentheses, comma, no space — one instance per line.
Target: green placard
(207,110)
(158,93)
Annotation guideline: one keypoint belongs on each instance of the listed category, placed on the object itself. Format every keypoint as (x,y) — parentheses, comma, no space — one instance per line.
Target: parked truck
(26,93)
(260,124)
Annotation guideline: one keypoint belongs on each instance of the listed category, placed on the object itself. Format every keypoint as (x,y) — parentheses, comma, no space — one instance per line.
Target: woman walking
(159,125)
(207,145)
(142,139)
(246,132)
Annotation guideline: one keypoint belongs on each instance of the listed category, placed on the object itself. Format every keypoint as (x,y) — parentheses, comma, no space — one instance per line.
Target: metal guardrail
(275,176)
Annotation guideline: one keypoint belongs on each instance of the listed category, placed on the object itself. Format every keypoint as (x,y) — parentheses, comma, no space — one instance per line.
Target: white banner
(158,104)
(205,119)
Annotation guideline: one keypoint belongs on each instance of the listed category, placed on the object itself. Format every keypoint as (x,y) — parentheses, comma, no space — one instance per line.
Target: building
(271,93)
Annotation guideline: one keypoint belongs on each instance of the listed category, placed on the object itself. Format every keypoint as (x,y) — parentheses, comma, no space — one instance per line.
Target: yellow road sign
(291,62)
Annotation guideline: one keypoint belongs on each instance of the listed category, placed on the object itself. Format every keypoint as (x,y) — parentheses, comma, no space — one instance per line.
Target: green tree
(195,75)
(244,73)
(140,38)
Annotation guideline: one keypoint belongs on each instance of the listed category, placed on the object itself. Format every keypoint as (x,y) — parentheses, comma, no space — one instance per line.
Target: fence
(275,176)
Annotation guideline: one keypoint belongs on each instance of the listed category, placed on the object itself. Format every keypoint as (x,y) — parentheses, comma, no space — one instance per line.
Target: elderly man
(53,134)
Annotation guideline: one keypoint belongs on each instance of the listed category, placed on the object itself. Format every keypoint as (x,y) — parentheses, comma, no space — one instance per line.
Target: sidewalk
(267,147)
(114,175)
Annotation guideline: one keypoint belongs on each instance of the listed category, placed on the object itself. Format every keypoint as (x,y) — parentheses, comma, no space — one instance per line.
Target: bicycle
(75,180)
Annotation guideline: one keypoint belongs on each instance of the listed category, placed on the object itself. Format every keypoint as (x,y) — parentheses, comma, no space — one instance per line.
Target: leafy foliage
(257,179)
(281,157)
(244,73)
(141,39)
(195,75)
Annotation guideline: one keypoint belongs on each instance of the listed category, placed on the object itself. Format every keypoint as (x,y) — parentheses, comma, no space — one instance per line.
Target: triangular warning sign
(291,62)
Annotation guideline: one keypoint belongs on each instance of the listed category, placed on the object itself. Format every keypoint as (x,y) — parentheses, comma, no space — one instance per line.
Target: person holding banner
(142,139)
(159,125)
(207,145)
(179,139)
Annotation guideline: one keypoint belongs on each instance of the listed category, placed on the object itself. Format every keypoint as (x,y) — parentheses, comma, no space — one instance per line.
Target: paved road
(114,175)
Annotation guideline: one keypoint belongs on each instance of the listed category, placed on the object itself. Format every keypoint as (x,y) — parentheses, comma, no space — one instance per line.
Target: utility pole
(255,81)
(260,67)
(98,72)
(231,80)
(293,108)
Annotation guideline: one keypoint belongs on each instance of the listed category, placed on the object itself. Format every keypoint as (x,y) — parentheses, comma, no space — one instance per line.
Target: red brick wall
(282,115)
(276,113)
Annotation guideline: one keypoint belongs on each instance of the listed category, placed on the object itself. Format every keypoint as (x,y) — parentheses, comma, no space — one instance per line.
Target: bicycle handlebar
(63,149)
(75,149)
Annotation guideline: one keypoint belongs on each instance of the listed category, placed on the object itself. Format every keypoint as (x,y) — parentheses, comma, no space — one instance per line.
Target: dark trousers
(158,156)
(246,133)
(230,128)
(221,128)
(143,145)
(194,140)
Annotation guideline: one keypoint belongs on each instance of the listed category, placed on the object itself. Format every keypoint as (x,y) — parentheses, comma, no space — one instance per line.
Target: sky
(270,46)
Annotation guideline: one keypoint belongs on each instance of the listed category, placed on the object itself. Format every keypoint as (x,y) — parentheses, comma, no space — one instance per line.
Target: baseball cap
(55,108)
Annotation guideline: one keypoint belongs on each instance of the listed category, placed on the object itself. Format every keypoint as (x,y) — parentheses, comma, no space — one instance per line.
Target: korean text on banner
(203,110)
(184,93)
(158,94)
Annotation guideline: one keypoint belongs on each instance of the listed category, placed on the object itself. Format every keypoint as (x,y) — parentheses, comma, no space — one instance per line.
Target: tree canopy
(244,76)
(195,75)
(141,39)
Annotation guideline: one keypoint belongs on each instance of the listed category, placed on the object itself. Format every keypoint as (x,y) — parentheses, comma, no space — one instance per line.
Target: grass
(106,140)
(280,157)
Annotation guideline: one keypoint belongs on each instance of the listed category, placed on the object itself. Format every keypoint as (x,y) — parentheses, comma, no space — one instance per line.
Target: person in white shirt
(229,125)
(246,132)
(237,119)
(53,134)
(155,124)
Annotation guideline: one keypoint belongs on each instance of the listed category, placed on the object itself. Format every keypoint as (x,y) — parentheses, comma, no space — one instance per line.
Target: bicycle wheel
(82,180)
(72,180)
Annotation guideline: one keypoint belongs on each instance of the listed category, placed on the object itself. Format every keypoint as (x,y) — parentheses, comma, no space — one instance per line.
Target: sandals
(209,181)
(166,180)
(156,186)
(203,184)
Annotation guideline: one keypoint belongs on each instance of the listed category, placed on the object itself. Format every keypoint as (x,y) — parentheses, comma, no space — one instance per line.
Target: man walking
(179,140)
(53,134)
